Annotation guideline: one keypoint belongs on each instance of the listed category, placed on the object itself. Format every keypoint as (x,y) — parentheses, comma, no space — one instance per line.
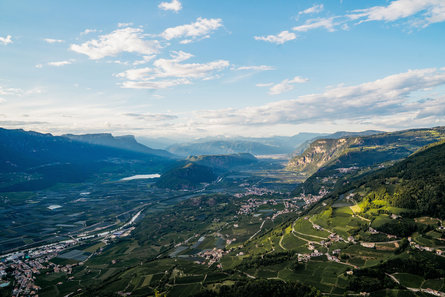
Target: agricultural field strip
(313,226)
(259,230)
(309,235)
(280,243)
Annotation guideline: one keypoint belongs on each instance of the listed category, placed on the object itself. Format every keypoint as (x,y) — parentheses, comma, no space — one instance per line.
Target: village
(25,265)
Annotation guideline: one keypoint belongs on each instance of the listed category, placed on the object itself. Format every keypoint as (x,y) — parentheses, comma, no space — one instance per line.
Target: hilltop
(189,176)
(126,142)
(224,161)
(328,163)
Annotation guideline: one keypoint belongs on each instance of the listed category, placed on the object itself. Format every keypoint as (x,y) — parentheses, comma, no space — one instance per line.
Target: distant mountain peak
(126,142)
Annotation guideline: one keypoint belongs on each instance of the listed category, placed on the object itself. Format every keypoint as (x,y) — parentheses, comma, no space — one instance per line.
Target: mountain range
(31,160)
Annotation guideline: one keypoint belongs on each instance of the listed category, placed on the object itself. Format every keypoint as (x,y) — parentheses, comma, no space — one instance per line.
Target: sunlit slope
(330,163)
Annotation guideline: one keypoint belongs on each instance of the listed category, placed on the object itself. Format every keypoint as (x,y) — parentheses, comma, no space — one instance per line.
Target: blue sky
(206,67)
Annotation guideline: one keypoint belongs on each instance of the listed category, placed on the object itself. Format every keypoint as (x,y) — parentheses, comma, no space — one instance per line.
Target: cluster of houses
(25,265)
(310,199)
(415,245)
(212,256)
(252,204)
(347,169)
(316,253)
(255,191)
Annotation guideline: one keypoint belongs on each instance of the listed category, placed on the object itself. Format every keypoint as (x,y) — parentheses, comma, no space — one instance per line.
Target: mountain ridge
(127,142)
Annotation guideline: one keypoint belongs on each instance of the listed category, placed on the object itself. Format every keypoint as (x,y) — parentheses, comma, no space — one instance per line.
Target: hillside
(31,160)
(416,183)
(319,153)
(223,147)
(337,135)
(381,233)
(126,142)
(187,177)
(255,146)
(227,162)
(329,163)
(367,235)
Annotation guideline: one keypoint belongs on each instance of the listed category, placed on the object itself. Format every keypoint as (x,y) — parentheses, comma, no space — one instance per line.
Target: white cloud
(18,92)
(186,41)
(152,117)
(145,60)
(429,12)
(391,96)
(127,39)
(392,102)
(286,85)
(280,38)
(118,62)
(39,66)
(60,63)
(256,68)
(122,25)
(327,23)
(155,85)
(51,40)
(10,91)
(422,13)
(170,72)
(6,40)
(317,8)
(174,5)
(88,31)
(201,28)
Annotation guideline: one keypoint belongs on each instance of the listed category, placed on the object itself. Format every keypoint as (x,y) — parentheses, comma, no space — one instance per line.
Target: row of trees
(263,288)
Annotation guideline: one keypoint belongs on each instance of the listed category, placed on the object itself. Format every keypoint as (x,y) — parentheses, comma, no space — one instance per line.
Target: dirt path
(359,216)
(281,244)
(261,227)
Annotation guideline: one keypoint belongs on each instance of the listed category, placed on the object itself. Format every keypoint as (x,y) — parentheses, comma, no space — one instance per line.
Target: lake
(141,176)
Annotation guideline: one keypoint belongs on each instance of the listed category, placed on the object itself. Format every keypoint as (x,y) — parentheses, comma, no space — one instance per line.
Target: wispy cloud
(10,91)
(6,91)
(122,25)
(152,117)
(201,28)
(60,63)
(286,85)
(418,13)
(317,8)
(51,40)
(170,72)
(326,23)
(88,31)
(130,40)
(426,11)
(145,60)
(255,68)
(174,5)
(280,38)
(6,40)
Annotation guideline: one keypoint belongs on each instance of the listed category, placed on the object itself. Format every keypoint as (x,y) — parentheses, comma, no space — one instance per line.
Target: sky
(197,68)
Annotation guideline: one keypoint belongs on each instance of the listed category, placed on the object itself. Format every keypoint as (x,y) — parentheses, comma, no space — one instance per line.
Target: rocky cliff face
(319,153)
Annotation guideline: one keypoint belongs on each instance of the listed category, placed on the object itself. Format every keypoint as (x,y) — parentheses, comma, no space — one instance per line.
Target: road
(261,227)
